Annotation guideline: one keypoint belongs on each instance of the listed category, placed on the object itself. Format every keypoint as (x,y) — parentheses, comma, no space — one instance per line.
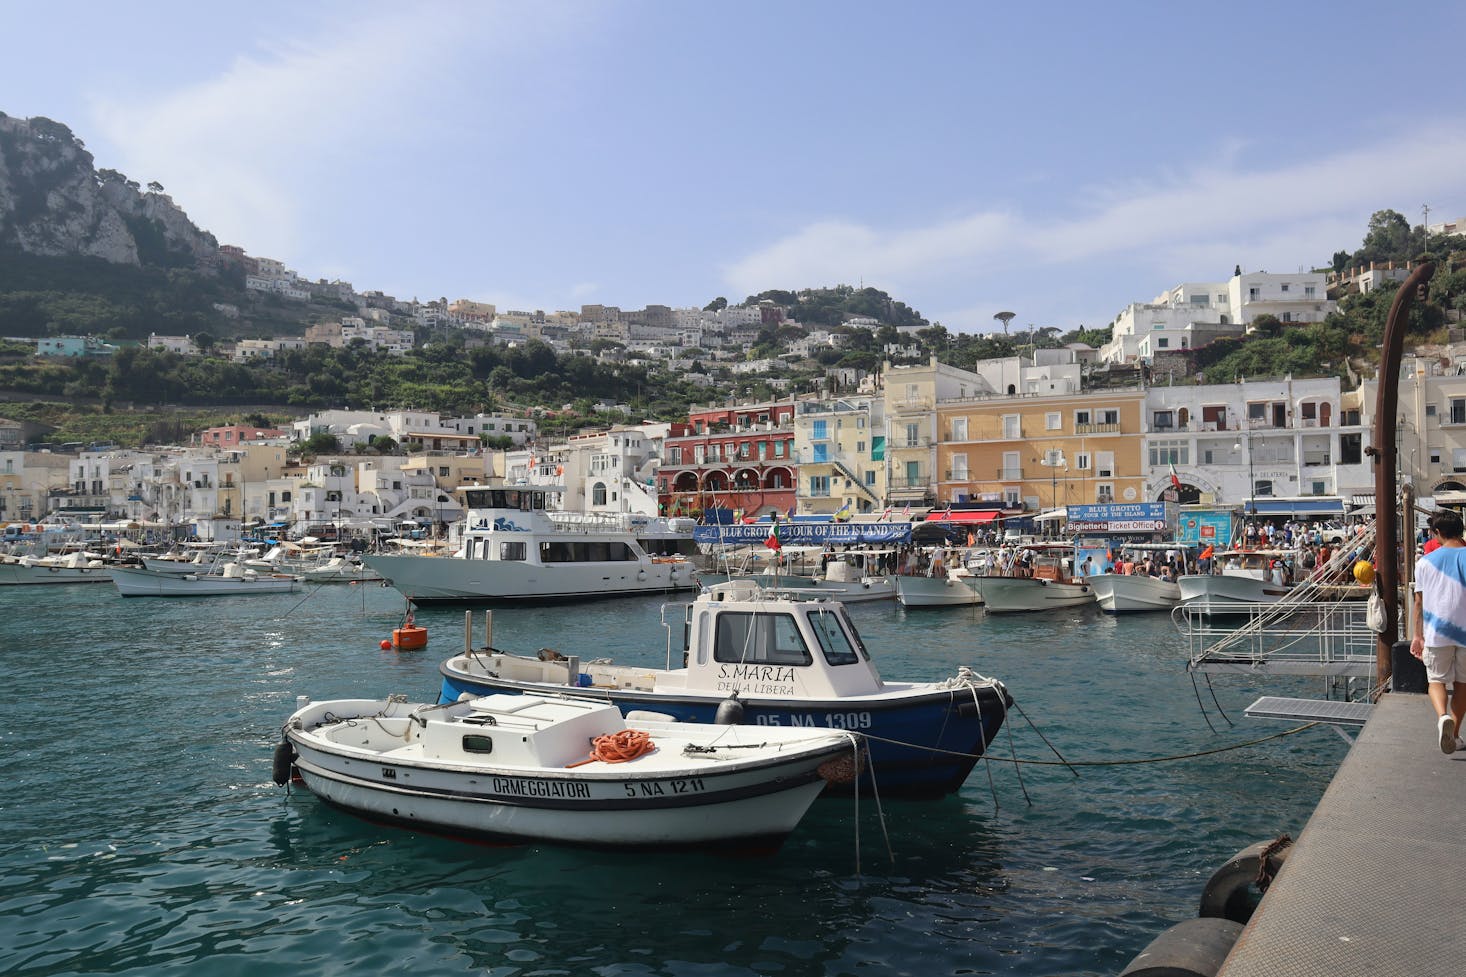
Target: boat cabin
(734,639)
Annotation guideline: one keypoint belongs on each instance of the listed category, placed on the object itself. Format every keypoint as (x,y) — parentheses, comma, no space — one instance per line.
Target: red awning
(965,515)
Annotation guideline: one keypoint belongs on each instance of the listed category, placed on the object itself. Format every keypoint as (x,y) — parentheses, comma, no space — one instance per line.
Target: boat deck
(1373,884)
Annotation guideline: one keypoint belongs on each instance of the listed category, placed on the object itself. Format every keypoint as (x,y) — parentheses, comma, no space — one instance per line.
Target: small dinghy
(531,768)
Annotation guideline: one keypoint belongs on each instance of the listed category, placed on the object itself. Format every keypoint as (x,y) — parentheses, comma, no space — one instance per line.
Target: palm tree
(1005,318)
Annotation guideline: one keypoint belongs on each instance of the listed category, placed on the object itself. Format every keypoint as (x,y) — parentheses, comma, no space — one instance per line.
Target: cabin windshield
(525,500)
(834,642)
(759,639)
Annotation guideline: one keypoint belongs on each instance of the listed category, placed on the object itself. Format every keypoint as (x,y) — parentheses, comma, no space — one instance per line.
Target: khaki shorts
(1445,663)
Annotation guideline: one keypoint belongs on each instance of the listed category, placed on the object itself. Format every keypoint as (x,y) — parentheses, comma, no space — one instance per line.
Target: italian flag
(1175,479)
(773,541)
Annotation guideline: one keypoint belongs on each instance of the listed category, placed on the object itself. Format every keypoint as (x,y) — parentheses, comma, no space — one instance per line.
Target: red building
(738,458)
(236,434)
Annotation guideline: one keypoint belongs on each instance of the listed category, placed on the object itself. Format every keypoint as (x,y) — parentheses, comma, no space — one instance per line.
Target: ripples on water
(144,835)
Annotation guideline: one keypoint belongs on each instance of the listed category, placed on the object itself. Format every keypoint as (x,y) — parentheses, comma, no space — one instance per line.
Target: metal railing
(1313,630)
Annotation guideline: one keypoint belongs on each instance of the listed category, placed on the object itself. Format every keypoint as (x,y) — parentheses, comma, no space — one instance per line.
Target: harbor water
(144,835)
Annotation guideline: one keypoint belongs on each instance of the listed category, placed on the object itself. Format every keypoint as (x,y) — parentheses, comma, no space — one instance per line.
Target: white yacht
(516,548)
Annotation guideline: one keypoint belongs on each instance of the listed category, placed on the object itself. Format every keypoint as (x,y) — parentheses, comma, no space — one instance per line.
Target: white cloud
(1196,226)
(247,149)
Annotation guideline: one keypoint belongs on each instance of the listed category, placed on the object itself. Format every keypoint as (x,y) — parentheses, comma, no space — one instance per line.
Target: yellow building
(1041,452)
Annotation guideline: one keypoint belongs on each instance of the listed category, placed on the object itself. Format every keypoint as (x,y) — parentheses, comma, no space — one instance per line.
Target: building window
(1109,417)
(1285,286)
(1104,492)
(1053,421)
(913,435)
(870,477)
(1430,410)
(1081,461)
(1104,464)
(959,429)
(1308,291)
(598,494)
(1081,417)
(1458,410)
(1163,342)
(1164,453)
(1011,427)
(1163,420)
(819,486)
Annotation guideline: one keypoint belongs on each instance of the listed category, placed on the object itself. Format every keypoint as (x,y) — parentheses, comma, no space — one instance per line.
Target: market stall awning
(1294,507)
(965,515)
(1052,515)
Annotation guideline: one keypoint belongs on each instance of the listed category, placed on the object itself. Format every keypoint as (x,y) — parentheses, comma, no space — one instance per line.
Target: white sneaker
(1446,726)
(1460,744)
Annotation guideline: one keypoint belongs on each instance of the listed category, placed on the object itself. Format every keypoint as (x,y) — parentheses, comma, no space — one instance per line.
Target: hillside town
(1016,438)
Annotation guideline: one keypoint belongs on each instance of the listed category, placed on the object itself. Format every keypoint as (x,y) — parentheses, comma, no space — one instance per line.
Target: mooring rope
(1071,764)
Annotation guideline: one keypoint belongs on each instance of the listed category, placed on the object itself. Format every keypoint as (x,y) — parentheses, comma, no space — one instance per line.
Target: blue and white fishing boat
(780,662)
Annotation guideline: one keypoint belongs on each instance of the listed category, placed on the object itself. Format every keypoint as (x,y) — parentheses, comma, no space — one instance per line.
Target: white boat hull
(133,582)
(751,794)
(22,575)
(1223,592)
(429,579)
(936,592)
(846,592)
(1119,593)
(1006,595)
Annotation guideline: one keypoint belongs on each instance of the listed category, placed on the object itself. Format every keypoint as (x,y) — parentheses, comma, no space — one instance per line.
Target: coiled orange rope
(619,747)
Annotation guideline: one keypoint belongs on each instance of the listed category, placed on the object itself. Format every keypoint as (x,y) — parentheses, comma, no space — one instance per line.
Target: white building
(182,345)
(1269,440)
(1300,297)
(520,429)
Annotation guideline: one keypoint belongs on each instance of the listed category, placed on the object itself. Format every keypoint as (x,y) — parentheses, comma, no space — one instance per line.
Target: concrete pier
(1376,882)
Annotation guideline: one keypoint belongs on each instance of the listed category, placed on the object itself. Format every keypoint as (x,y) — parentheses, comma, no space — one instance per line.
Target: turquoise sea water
(143,835)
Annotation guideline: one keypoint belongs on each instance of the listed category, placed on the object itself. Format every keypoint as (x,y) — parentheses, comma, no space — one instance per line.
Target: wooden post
(1386,516)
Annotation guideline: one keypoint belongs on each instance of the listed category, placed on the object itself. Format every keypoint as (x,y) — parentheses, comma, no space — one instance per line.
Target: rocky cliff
(54,202)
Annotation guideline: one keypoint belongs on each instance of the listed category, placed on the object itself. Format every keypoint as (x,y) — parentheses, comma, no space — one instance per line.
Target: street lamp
(1251,483)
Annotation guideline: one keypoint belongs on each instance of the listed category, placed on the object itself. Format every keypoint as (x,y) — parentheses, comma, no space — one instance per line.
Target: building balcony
(1010,474)
(1096,429)
(909,405)
(959,474)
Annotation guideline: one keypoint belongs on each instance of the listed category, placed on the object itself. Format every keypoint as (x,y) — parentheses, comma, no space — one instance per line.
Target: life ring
(1195,948)
(1235,889)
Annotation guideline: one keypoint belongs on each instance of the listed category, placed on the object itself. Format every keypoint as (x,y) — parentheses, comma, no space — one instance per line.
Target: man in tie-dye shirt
(1440,625)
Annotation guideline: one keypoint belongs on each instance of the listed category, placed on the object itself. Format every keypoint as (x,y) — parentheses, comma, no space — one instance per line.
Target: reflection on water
(145,835)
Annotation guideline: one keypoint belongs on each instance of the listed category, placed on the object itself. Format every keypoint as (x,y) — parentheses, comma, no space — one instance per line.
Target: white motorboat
(194,558)
(1245,579)
(850,576)
(313,565)
(944,581)
(1118,592)
(74,567)
(515,548)
(789,663)
(1039,578)
(230,579)
(952,589)
(530,768)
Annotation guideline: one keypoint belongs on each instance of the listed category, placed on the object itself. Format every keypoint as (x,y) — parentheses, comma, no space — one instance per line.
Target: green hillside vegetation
(145,396)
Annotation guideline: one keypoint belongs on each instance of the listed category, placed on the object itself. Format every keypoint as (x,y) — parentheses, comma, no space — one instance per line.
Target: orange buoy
(386,644)
(409,637)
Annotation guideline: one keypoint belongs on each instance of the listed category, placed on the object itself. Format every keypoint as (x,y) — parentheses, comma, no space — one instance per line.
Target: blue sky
(1055,160)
